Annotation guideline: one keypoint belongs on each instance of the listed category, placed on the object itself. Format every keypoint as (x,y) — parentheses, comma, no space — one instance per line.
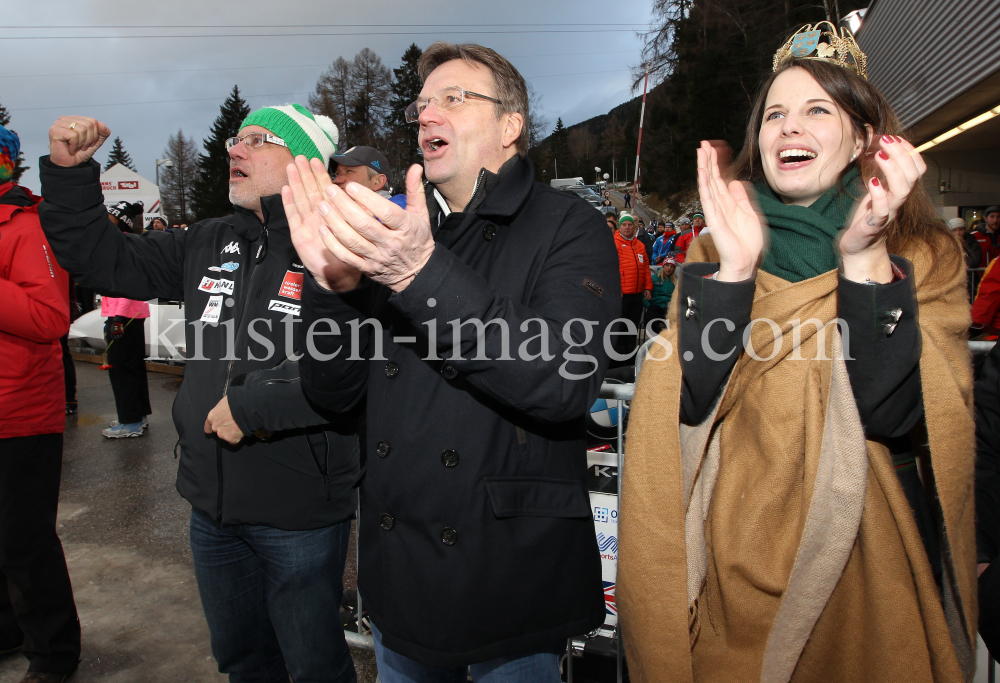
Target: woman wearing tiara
(811,518)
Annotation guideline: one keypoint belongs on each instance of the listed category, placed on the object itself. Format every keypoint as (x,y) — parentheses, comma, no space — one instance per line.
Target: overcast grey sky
(76,59)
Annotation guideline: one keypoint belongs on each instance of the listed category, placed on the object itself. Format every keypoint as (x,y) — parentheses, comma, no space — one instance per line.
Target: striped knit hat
(315,136)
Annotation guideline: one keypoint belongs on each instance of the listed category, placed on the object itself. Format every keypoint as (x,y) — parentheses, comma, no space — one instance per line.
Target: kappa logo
(283,307)
(231,248)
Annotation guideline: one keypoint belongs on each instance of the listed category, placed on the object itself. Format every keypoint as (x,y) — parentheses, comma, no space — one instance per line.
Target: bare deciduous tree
(368,111)
(333,94)
(176,181)
(538,125)
(582,144)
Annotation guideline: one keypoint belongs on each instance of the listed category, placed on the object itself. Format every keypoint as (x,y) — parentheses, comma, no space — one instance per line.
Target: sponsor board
(283,307)
(605,508)
(114,185)
(291,286)
(213,309)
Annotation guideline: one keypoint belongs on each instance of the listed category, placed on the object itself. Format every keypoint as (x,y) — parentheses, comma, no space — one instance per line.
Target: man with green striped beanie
(271,482)
(268,141)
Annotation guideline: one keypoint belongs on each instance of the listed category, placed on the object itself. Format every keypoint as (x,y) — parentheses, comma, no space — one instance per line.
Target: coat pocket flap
(537,497)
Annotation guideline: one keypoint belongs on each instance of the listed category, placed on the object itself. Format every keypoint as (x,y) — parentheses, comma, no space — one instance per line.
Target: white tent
(122,183)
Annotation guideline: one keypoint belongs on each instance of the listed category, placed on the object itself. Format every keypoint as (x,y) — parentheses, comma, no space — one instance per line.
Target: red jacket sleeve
(33,288)
(984,309)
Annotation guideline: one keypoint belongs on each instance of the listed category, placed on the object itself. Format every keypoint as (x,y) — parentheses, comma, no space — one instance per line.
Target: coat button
(489,232)
(449,458)
(386,522)
(449,536)
(382,449)
(391,369)
(449,372)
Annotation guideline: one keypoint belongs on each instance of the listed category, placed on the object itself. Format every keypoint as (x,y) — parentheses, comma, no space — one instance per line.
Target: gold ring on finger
(72,125)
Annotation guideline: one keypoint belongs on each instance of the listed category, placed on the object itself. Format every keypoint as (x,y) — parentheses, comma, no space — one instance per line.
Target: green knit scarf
(802,238)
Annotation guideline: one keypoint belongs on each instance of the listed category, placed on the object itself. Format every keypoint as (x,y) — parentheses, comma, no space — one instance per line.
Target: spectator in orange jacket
(37,611)
(633,265)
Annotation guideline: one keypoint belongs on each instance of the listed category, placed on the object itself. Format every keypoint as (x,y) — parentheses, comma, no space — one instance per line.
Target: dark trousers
(631,310)
(127,358)
(85,297)
(36,597)
(272,600)
(658,315)
(69,370)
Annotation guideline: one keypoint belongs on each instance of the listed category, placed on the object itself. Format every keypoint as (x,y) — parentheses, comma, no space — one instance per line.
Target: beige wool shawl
(774,543)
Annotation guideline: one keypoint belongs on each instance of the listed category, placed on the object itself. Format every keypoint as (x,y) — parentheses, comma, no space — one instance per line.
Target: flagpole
(642,116)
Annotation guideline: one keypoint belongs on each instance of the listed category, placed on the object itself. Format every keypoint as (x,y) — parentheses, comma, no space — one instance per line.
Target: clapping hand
(74,139)
(307,227)
(862,245)
(356,226)
(737,230)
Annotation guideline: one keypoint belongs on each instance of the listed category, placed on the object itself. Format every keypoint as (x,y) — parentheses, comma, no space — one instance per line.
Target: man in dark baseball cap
(366,166)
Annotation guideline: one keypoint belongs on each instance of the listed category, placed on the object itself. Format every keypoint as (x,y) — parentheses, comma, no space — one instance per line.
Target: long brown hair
(916,222)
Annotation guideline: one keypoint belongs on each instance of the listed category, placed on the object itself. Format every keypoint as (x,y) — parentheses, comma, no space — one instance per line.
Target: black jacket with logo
(241,282)
(477,534)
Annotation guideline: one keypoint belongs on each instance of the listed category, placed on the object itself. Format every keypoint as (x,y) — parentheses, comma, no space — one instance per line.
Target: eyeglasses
(255,140)
(445,99)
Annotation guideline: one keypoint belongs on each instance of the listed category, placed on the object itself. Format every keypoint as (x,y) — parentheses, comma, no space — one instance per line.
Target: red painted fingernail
(887,139)
(882,154)
(875,182)
(897,138)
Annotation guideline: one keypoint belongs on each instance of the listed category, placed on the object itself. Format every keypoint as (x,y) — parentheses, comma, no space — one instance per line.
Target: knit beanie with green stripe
(315,136)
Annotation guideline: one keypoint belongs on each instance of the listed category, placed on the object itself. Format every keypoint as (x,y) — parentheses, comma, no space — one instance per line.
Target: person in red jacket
(986,307)
(37,612)
(633,265)
(988,236)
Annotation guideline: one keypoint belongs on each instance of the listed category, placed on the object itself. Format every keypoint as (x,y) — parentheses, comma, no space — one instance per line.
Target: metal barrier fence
(620,394)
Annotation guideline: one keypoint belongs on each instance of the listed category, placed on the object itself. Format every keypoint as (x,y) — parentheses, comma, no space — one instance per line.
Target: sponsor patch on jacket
(593,286)
(283,307)
(215,286)
(231,248)
(212,309)
(291,286)
(225,267)
(640,257)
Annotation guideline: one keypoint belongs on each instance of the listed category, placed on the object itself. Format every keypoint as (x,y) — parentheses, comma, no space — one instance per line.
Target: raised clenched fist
(74,139)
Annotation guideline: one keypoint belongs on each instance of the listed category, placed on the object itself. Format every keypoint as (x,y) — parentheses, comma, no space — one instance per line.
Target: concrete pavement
(124,529)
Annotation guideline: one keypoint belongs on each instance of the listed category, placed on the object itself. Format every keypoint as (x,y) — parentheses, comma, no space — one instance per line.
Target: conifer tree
(559,151)
(118,155)
(402,144)
(210,195)
(19,167)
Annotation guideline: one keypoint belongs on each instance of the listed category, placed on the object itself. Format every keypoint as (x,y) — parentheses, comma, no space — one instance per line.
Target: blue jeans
(525,667)
(272,600)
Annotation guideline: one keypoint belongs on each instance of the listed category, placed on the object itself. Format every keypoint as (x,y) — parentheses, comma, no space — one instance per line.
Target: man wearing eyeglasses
(270,478)
(477,545)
